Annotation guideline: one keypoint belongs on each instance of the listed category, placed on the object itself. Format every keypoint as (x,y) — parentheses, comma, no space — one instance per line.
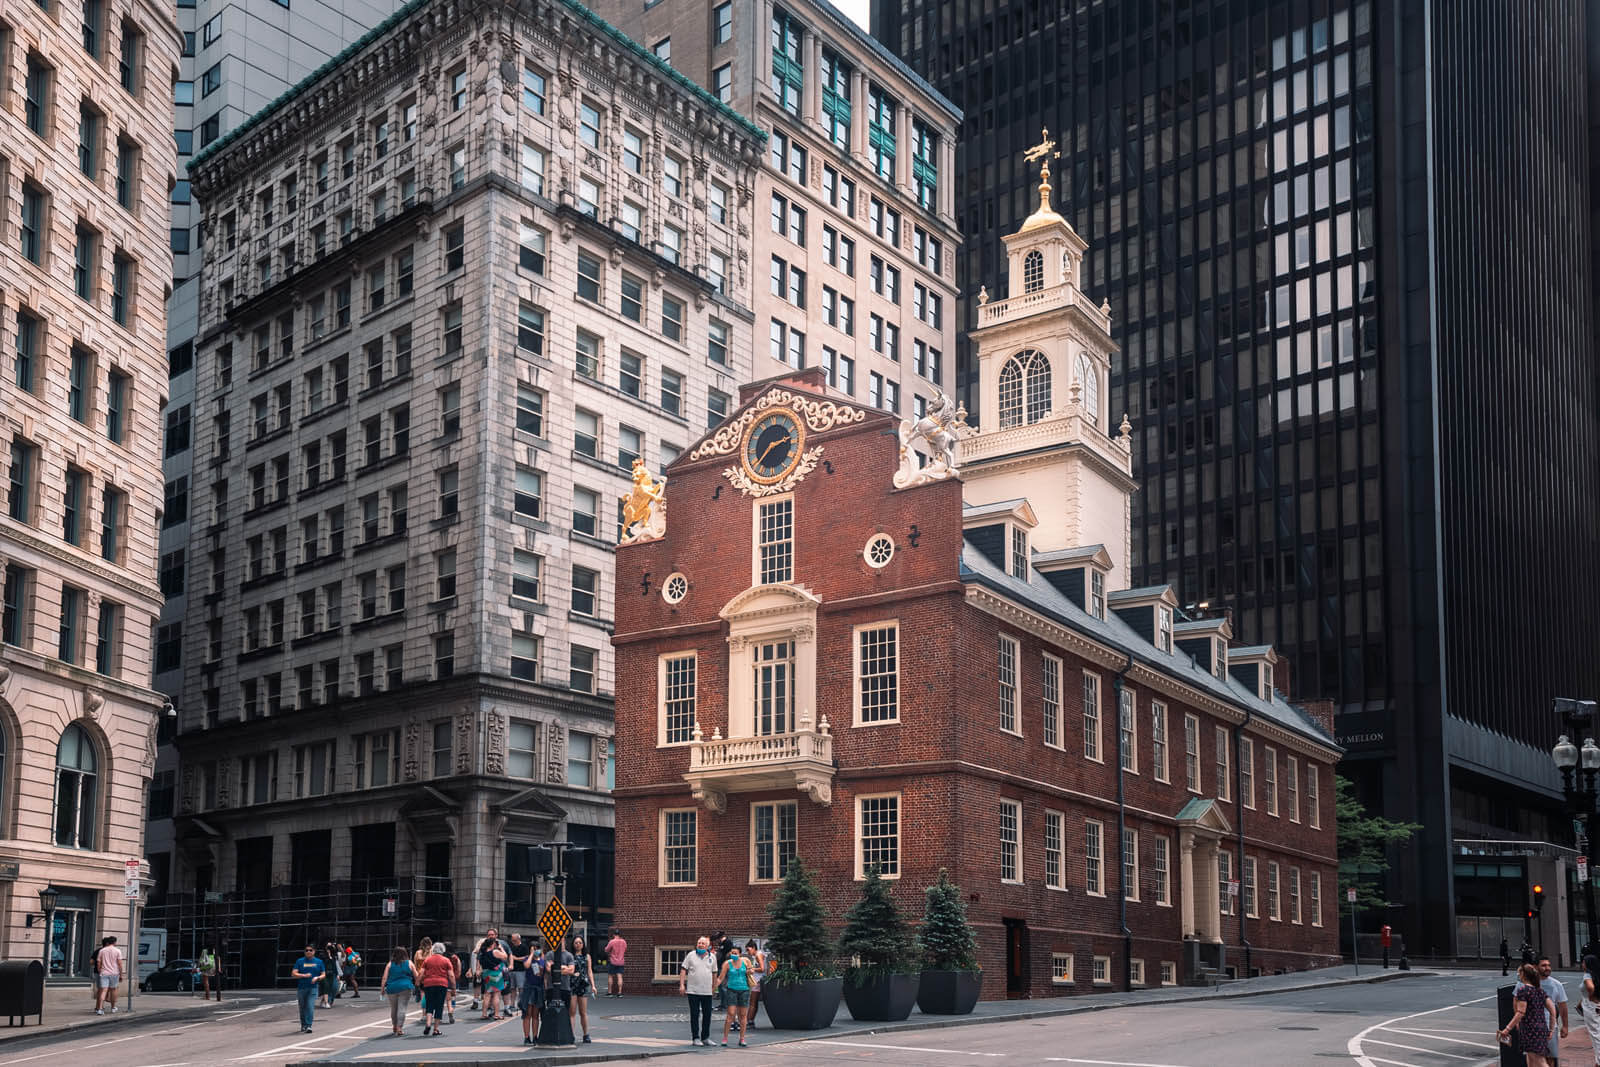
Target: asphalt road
(1440,1021)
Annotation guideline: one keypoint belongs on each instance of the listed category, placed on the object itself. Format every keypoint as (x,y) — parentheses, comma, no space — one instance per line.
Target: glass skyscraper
(1346,245)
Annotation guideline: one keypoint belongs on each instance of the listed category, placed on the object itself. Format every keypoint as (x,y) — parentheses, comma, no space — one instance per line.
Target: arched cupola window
(1024,389)
(1033,271)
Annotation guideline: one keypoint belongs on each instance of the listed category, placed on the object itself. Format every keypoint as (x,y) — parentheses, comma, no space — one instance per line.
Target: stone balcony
(802,761)
(996,312)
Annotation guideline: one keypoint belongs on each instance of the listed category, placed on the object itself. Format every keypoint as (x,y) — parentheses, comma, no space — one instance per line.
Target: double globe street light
(1578,717)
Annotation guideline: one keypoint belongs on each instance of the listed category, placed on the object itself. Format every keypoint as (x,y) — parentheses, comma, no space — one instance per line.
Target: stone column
(858,114)
(811,97)
(1186,886)
(763,40)
(1213,921)
(902,148)
(947,180)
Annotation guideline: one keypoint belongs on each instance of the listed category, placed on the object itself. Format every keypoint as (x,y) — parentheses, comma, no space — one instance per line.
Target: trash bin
(1508,1057)
(21,990)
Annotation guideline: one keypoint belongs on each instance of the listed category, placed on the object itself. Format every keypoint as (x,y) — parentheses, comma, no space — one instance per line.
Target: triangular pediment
(1202,813)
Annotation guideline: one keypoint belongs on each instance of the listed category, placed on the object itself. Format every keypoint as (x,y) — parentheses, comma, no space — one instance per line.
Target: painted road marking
(1439,1035)
(909,1048)
(304,1046)
(1426,1051)
(1109,1063)
(236,1012)
(1353,1046)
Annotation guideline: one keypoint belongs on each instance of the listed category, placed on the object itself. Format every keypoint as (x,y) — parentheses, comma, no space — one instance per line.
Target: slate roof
(1039,595)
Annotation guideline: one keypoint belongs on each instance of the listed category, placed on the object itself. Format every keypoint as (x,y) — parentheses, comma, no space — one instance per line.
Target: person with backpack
(399,982)
(490,954)
(350,969)
(208,973)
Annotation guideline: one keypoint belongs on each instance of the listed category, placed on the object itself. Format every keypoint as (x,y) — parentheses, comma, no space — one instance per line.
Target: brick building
(924,668)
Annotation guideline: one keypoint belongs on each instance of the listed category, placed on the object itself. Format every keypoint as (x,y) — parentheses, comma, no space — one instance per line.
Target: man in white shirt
(1557,993)
(697,976)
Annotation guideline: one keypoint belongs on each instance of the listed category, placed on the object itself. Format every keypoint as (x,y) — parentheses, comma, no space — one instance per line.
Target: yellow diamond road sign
(554,923)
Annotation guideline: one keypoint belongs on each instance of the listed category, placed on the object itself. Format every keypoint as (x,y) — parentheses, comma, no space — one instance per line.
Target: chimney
(1321,713)
(809,380)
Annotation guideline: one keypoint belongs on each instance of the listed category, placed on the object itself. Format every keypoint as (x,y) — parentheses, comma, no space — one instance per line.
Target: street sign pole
(130,889)
(1355,946)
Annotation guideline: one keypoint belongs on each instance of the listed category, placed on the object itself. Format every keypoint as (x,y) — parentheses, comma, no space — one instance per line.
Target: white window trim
(1227,899)
(1136,971)
(1099,833)
(1247,770)
(1295,903)
(1163,876)
(1313,796)
(1274,894)
(1249,871)
(1162,770)
(900,811)
(1122,858)
(1061,861)
(661,695)
(1169,972)
(1063,979)
(660,950)
(774,805)
(1098,960)
(1060,743)
(1316,898)
(1224,763)
(1010,641)
(1132,748)
(1006,802)
(1269,778)
(855,672)
(1292,777)
(755,534)
(661,849)
(1099,722)
(1198,783)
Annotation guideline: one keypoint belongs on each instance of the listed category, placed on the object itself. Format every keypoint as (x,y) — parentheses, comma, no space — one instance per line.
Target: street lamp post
(1578,717)
(47,904)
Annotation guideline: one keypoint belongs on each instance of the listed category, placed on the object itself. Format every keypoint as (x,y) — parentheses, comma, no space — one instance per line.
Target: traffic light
(1538,897)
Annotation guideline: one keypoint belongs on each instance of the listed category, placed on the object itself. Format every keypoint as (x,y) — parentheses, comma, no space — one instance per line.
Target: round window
(879,551)
(675,588)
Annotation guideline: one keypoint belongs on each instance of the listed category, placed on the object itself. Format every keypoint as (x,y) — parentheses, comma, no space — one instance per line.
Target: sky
(856,9)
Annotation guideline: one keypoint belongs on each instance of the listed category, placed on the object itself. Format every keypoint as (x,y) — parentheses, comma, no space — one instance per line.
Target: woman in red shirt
(438,973)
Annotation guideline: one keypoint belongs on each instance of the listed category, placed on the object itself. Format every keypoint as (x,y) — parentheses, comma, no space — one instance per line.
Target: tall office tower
(853,266)
(238,56)
(424,370)
(1354,297)
(85,154)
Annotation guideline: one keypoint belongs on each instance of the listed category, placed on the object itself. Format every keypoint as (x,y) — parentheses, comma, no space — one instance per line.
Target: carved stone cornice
(82,562)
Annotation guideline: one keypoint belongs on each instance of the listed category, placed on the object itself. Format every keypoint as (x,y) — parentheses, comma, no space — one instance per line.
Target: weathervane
(1043,152)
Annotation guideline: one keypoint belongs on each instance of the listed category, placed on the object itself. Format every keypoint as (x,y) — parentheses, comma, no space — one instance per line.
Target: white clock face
(1089,383)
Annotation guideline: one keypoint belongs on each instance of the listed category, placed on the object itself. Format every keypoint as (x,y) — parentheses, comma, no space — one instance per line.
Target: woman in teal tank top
(735,980)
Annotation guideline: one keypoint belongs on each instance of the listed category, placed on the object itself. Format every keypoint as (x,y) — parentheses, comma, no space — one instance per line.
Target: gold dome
(1045,215)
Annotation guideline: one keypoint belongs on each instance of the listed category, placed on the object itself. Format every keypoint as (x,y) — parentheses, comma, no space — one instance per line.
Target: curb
(932,1022)
(122,1021)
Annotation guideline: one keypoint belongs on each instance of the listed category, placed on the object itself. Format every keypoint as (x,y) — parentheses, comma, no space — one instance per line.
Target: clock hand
(763,457)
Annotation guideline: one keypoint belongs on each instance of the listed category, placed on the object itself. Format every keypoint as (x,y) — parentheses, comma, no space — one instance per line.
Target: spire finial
(1043,152)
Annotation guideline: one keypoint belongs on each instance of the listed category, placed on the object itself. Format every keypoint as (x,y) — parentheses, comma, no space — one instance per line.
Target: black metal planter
(949,992)
(807,1005)
(886,999)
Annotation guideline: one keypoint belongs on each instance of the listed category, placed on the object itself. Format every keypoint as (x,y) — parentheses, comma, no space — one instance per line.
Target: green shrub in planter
(951,978)
(882,983)
(803,992)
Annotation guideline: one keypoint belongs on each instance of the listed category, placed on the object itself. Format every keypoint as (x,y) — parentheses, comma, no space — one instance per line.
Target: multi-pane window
(678,696)
(1313,798)
(881,132)
(1274,903)
(1091,716)
(1128,727)
(1248,888)
(717,346)
(836,93)
(1294,895)
(1163,871)
(585,590)
(11,615)
(671,318)
(32,223)
(1316,898)
(1093,854)
(1247,772)
(630,374)
(716,408)
(678,852)
(531,248)
(586,512)
(533,90)
(74,500)
(1130,864)
(774,839)
(722,23)
(1158,740)
(127,162)
(1061,968)
(1050,692)
(1010,841)
(530,410)
(1224,766)
(80,369)
(878,673)
(925,165)
(671,392)
(878,835)
(113,505)
(1291,777)
(528,495)
(1269,777)
(530,328)
(36,98)
(775,542)
(69,636)
(1225,890)
(89,143)
(1191,752)
(1006,669)
(121,288)
(580,669)
(788,68)
(1054,869)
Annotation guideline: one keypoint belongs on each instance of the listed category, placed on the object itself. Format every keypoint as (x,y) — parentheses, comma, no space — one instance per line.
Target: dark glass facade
(1347,251)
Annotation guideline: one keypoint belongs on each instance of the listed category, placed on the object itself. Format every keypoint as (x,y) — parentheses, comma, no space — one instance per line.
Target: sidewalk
(70,1008)
(637,1027)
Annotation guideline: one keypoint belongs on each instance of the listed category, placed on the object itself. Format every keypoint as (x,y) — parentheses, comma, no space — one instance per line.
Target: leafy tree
(795,935)
(876,935)
(1364,842)
(946,936)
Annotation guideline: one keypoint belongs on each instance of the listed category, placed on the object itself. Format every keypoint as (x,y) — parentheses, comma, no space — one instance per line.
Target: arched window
(76,773)
(1033,271)
(1024,389)
(1089,383)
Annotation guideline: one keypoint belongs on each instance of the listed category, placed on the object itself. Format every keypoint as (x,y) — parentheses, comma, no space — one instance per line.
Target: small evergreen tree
(947,940)
(876,935)
(795,935)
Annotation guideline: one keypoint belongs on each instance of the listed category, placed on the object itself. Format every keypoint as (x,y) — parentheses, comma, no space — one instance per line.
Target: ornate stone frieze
(819,414)
(494,760)
(555,763)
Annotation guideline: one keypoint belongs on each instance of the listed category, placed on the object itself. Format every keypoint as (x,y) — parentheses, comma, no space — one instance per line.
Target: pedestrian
(490,952)
(516,972)
(399,983)
(758,971)
(438,975)
(208,974)
(555,1024)
(697,975)
(456,976)
(424,947)
(616,956)
(1530,1019)
(1505,958)
(491,981)
(734,978)
(1589,1003)
(351,966)
(308,972)
(1558,1007)
(1527,952)
(582,983)
(721,944)
(108,975)
(531,999)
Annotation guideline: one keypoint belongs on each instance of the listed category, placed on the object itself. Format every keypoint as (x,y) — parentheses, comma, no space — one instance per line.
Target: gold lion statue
(644,512)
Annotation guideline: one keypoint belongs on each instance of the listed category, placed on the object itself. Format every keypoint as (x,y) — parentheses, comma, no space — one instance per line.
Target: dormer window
(775,541)
(1219,657)
(1024,389)
(1089,388)
(1097,593)
(1019,553)
(1266,681)
(1033,271)
(1164,628)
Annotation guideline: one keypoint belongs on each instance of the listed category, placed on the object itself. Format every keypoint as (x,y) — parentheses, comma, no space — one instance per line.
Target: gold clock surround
(796,451)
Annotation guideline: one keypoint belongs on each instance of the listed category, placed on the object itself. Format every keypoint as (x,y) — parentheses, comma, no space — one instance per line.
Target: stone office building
(86,159)
(943,667)
(855,239)
(429,354)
